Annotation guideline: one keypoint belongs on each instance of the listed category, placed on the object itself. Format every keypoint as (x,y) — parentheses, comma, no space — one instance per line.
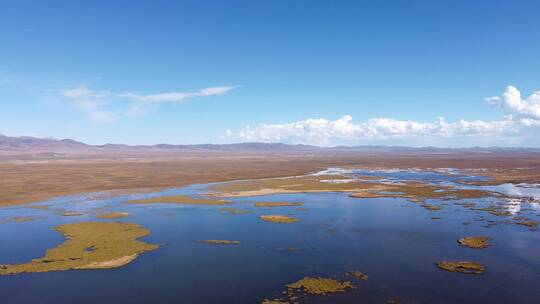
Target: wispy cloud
(96,102)
(83,92)
(343,130)
(102,116)
(93,102)
(142,103)
(177,96)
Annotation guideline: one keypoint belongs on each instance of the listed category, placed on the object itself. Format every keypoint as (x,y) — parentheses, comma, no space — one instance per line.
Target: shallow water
(394,241)
(421,175)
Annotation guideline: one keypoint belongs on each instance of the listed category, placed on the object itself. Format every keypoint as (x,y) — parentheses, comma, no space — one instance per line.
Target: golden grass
(283,185)
(72,213)
(528,174)
(475,242)
(431,207)
(320,286)
(113,215)
(179,199)
(495,210)
(53,178)
(358,275)
(278,218)
(414,191)
(89,245)
(18,219)
(277,204)
(462,267)
(39,207)
(531,224)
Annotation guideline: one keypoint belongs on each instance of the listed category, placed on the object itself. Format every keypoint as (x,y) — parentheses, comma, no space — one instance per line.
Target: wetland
(210,242)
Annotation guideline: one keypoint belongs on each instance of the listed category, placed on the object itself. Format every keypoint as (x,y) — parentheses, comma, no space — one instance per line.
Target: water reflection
(394,241)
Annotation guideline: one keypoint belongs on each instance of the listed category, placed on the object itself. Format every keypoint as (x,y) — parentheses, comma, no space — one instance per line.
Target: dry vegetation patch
(39,207)
(278,218)
(282,185)
(531,224)
(72,213)
(414,191)
(89,245)
(431,207)
(417,192)
(475,242)
(320,286)
(18,219)
(277,204)
(462,267)
(113,215)
(52,178)
(494,210)
(358,275)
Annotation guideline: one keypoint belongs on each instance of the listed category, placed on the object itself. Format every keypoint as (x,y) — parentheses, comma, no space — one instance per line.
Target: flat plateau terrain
(24,181)
(325,225)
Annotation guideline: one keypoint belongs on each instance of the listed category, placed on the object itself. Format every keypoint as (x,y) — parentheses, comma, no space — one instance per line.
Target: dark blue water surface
(392,240)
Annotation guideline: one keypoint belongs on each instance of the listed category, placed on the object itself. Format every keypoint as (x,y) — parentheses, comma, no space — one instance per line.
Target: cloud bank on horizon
(523,122)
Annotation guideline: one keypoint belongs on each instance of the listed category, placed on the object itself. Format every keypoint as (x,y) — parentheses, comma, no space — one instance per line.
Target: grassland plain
(414,191)
(25,181)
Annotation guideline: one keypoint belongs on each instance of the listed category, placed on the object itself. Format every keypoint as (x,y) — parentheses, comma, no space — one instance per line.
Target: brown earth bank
(30,181)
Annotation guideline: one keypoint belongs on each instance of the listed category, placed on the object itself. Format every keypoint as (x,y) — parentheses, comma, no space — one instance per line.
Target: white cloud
(214,91)
(323,131)
(96,102)
(528,122)
(83,92)
(511,100)
(142,103)
(343,130)
(227,134)
(91,101)
(177,96)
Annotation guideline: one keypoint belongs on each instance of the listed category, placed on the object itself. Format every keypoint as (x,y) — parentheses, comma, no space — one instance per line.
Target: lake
(394,241)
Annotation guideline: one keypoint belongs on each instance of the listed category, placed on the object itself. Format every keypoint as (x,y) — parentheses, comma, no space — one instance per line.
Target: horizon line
(273,143)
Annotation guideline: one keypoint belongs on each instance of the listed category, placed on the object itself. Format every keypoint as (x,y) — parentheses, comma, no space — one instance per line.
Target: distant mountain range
(27,147)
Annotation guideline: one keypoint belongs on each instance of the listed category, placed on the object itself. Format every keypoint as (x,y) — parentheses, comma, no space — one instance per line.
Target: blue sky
(319,72)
